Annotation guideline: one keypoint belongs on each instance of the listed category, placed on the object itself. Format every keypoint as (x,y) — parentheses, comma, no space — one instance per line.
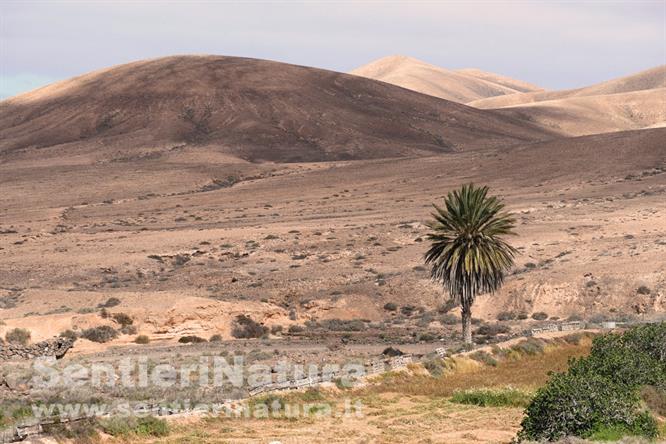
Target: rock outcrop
(56,347)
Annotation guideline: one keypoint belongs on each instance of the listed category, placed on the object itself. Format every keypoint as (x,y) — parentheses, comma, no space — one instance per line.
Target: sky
(554,44)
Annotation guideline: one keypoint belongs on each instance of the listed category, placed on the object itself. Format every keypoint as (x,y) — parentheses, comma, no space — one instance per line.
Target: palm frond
(467,253)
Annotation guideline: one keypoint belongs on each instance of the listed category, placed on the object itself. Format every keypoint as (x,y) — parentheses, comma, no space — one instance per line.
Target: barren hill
(253,109)
(651,79)
(460,86)
(632,102)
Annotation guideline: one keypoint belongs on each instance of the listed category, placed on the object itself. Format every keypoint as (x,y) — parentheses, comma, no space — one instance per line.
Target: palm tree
(467,253)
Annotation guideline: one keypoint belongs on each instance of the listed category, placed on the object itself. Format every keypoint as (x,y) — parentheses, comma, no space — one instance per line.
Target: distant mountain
(632,102)
(460,86)
(256,110)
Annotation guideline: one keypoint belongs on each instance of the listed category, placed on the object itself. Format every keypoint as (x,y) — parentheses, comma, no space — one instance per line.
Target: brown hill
(460,86)
(253,109)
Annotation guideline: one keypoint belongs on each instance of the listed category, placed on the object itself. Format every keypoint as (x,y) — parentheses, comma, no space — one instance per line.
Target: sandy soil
(295,242)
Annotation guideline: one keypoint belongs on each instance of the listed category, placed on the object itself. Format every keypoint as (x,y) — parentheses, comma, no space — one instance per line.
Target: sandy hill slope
(651,79)
(631,102)
(254,109)
(460,86)
(185,256)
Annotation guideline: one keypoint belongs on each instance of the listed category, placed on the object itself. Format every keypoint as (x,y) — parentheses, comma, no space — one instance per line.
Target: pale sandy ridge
(460,86)
(631,102)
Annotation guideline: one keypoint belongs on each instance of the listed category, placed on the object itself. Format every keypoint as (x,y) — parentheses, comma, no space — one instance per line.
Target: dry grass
(398,408)
(527,372)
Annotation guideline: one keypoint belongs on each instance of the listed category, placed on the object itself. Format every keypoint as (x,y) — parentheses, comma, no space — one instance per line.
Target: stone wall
(56,347)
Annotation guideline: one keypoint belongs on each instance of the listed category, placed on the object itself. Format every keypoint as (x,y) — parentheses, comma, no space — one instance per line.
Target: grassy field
(398,407)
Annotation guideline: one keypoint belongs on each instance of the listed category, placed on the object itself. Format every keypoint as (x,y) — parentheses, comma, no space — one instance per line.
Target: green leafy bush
(127,427)
(600,394)
(484,397)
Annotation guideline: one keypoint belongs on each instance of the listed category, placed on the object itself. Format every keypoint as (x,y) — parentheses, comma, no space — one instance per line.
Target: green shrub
(600,394)
(101,334)
(484,397)
(127,427)
(390,306)
(19,336)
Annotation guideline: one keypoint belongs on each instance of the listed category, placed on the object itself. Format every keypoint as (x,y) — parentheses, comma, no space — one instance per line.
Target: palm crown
(467,253)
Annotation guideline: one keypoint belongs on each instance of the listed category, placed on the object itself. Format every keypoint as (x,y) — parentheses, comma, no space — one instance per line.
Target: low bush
(540,316)
(601,394)
(485,397)
(407,310)
(191,339)
(449,319)
(436,367)
(69,334)
(390,306)
(110,303)
(142,339)
(128,330)
(18,336)
(492,330)
(124,427)
(296,329)
(506,316)
(531,346)
(390,351)
(447,306)
(101,334)
(122,319)
(427,337)
(484,358)
(215,338)
(245,328)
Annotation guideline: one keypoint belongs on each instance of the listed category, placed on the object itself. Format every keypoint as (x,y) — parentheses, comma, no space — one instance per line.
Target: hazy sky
(554,44)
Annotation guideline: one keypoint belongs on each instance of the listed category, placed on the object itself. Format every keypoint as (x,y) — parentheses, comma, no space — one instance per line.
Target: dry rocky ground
(187,242)
(125,219)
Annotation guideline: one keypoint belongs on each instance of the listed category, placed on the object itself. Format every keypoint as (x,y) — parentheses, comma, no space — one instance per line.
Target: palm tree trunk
(467,324)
